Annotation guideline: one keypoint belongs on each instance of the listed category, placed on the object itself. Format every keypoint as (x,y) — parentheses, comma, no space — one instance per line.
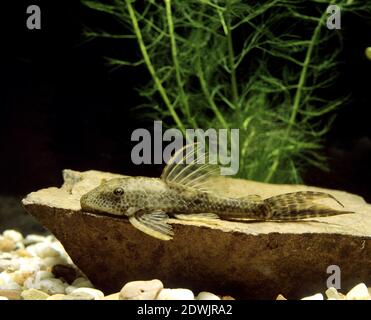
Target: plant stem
(183,96)
(303,74)
(151,68)
(232,65)
(208,96)
(299,91)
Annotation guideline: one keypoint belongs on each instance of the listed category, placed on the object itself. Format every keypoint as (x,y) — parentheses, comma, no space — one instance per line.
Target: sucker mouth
(101,212)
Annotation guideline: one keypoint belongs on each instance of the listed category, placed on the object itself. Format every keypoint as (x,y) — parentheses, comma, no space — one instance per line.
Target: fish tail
(299,205)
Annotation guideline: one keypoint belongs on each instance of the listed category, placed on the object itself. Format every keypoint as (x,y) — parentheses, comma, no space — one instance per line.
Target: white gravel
(27,265)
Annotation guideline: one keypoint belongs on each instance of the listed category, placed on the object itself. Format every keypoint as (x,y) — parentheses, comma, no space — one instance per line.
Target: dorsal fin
(191,166)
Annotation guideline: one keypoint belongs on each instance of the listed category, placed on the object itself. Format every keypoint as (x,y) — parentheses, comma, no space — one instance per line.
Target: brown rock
(280,297)
(66,272)
(254,260)
(11,294)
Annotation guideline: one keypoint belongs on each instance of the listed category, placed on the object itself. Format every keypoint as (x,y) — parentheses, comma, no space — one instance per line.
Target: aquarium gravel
(37,267)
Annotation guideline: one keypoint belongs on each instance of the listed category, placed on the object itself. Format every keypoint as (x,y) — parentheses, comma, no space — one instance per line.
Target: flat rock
(246,260)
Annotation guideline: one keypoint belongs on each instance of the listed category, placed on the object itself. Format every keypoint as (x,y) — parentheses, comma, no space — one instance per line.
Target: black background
(62,106)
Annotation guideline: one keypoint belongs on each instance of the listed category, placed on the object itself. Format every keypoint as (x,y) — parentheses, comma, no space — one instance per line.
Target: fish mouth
(101,212)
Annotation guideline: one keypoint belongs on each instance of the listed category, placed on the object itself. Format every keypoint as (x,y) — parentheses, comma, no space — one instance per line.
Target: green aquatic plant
(260,66)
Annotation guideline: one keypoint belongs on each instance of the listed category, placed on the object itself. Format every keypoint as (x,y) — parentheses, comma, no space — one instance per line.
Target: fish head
(114,196)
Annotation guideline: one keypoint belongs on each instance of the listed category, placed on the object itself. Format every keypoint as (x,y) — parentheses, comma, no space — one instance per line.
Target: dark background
(62,106)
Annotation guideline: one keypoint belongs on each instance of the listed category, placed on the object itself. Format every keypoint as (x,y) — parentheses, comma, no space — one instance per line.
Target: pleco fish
(185,191)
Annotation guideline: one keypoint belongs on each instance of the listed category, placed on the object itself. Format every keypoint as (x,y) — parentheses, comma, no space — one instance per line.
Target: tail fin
(299,205)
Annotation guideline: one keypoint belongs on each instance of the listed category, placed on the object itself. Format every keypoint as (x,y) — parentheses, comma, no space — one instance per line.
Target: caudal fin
(300,205)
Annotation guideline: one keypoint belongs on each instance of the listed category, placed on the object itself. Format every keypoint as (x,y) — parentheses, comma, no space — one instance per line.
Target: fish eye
(118,191)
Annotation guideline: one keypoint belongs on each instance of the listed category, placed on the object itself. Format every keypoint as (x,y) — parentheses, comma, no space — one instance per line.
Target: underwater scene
(186,150)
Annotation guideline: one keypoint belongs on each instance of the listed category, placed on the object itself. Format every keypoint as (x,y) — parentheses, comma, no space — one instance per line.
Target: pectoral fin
(153,224)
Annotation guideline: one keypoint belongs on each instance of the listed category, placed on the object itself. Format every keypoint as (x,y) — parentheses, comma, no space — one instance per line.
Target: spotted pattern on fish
(119,196)
(184,193)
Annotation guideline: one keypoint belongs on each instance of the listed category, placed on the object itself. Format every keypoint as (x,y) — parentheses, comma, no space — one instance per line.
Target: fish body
(186,192)
(119,195)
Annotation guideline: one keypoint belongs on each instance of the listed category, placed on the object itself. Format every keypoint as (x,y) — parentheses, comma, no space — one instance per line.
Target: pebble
(7,283)
(42,275)
(52,261)
(317,296)
(332,293)
(175,294)
(46,251)
(33,282)
(13,235)
(8,265)
(69,289)
(81,296)
(82,283)
(50,238)
(20,276)
(33,264)
(7,245)
(23,253)
(28,269)
(204,295)
(52,286)
(141,290)
(33,294)
(57,296)
(95,293)
(113,296)
(38,268)
(11,294)
(359,292)
(33,238)
(6,255)
(342,296)
(368,53)
(228,298)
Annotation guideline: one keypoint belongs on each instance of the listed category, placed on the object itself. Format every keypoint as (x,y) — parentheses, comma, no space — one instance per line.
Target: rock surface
(247,260)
